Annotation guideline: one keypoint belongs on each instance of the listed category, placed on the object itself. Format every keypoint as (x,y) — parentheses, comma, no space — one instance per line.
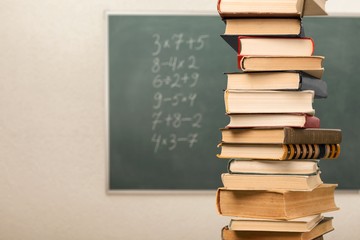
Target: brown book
(312,65)
(270,8)
(279,151)
(304,224)
(282,136)
(263,120)
(237,101)
(316,233)
(276,204)
(263,26)
(284,182)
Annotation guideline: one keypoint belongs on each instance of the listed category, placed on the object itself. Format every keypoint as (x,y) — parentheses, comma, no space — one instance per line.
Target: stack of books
(273,188)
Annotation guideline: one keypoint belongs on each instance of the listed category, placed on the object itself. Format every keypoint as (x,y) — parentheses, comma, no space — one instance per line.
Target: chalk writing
(175,79)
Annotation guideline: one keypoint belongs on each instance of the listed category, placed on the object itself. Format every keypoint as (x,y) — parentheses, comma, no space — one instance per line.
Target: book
(251,166)
(297,81)
(279,151)
(270,8)
(312,65)
(325,226)
(235,27)
(281,205)
(274,46)
(281,135)
(237,101)
(271,182)
(263,120)
(304,224)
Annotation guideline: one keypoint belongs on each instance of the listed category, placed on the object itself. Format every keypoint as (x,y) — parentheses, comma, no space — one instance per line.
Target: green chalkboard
(165,99)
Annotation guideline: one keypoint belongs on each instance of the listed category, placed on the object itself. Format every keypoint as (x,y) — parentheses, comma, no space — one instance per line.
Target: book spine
(317,85)
(303,136)
(240,61)
(311,151)
(312,42)
(218,7)
(311,121)
(218,192)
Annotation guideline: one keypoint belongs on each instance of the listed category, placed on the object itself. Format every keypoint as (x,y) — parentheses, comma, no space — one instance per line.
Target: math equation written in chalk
(175,80)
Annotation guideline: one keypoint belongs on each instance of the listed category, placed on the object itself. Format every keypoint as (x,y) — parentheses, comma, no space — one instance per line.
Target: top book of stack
(270,8)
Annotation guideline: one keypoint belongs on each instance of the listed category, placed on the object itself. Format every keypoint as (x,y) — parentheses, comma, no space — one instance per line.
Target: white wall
(52,133)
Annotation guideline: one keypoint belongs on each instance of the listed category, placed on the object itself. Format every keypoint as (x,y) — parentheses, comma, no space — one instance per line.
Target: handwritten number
(157,45)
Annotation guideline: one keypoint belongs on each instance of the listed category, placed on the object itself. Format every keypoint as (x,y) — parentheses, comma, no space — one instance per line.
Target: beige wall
(52,133)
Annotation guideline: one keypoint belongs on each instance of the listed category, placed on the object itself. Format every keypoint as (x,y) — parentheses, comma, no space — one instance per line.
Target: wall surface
(52,128)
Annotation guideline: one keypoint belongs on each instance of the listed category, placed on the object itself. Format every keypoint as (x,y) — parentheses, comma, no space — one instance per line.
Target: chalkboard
(165,99)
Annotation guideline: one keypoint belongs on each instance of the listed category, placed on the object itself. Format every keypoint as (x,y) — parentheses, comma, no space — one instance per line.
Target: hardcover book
(271,182)
(304,224)
(261,27)
(316,233)
(270,8)
(281,205)
(294,167)
(269,120)
(279,151)
(274,46)
(263,81)
(237,101)
(312,65)
(282,136)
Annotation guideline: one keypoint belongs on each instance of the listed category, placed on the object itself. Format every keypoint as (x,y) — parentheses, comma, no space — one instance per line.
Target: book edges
(314,72)
(316,161)
(310,121)
(239,45)
(252,181)
(323,227)
(287,213)
(232,39)
(306,82)
(308,8)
